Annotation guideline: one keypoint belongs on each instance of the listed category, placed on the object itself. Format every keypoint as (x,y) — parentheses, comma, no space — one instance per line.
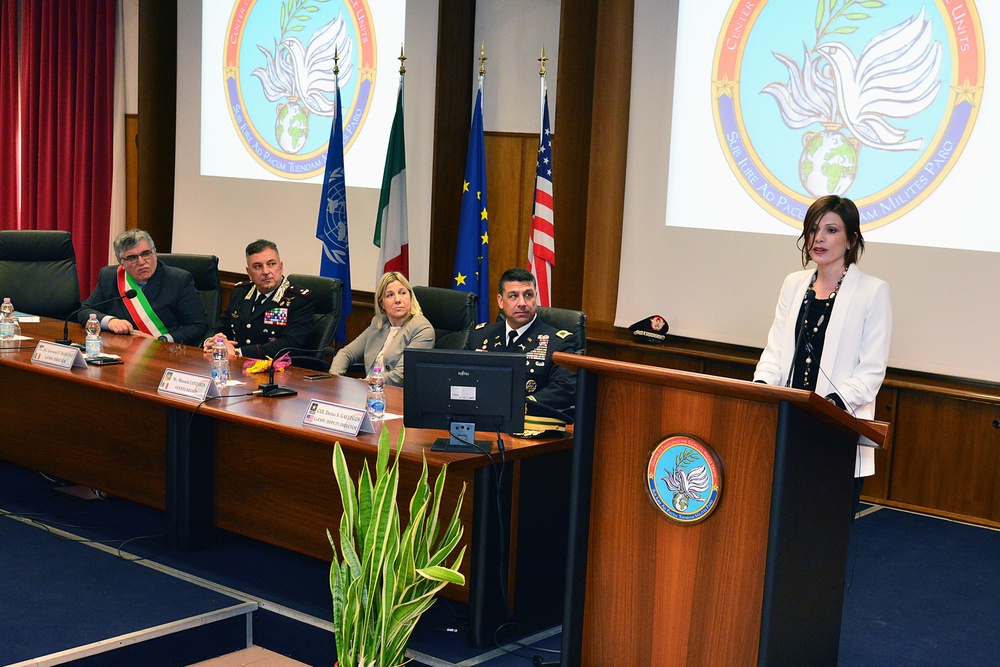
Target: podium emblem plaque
(684,479)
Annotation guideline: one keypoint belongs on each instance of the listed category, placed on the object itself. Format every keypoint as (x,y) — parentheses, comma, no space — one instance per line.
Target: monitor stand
(463,434)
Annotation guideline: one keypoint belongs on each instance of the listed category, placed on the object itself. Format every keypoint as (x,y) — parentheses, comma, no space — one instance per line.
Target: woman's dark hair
(848,213)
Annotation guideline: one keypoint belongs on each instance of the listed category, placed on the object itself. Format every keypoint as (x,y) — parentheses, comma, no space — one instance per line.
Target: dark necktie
(258,303)
(511,337)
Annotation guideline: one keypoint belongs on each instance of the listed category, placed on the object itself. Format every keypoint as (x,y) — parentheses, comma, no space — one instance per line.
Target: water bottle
(6,319)
(94,344)
(220,361)
(376,393)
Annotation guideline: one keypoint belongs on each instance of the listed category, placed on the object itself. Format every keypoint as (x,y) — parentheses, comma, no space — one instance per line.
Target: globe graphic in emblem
(829,162)
(291,128)
(680,502)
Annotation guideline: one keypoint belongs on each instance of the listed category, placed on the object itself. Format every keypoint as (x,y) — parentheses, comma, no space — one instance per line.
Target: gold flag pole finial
(402,59)
(336,63)
(482,60)
(543,60)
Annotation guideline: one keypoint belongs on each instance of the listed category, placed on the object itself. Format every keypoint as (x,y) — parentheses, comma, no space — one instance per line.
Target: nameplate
(58,356)
(338,418)
(187,385)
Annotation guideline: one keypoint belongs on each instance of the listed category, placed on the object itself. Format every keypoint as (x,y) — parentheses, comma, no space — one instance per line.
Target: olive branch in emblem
(292,11)
(830,7)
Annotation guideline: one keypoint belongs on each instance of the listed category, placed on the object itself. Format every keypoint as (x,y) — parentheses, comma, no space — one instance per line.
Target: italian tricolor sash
(139,308)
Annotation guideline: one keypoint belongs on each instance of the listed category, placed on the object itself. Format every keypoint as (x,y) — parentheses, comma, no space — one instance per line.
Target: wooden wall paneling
(729,369)
(649,356)
(572,129)
(876,487)
(456,64)
(506,186)
(946,455)
(158,111)
(131,171)
(608,156)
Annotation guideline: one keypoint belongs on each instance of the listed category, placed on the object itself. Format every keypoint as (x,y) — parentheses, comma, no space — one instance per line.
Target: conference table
(247,464)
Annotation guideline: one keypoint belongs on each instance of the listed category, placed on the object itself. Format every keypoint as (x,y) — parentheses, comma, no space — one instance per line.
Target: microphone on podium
(273,390)
(65,339)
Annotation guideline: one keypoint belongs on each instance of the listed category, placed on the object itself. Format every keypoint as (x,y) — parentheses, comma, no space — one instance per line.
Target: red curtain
(8,114)
(67,125)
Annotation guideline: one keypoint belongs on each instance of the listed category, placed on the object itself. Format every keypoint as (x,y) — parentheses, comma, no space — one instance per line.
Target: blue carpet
(78,595)
(920,590)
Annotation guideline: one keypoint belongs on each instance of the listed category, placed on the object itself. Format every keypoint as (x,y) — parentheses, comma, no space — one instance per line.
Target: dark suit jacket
(547,383)
(170,293)
(285,321)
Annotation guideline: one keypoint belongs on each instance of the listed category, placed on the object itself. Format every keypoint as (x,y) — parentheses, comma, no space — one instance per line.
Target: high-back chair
(451,312)
(574,321)
(38,272)
(328,294)
(205,269)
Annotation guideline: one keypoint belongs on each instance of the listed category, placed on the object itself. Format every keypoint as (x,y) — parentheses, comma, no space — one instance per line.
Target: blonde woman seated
(397,325)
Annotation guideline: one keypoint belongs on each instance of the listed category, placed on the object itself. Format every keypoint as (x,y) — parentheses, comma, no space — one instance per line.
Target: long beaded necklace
(819,321)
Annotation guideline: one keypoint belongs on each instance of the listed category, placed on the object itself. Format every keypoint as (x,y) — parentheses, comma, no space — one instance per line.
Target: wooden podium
(761,580)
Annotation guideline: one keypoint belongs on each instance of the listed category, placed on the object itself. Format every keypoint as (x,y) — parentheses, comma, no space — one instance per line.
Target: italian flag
(391,228)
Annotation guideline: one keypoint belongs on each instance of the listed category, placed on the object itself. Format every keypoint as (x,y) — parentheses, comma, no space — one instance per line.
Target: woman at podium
(833,322)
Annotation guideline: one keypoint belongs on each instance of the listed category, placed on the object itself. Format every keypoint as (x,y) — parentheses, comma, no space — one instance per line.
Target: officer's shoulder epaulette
(243,283)
(562,333)
(481,325)
(298,289)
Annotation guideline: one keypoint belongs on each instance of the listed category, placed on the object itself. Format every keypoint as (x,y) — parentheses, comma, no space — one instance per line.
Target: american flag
(542,242)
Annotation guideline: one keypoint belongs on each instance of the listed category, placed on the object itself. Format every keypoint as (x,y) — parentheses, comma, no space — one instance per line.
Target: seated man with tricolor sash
(166,305)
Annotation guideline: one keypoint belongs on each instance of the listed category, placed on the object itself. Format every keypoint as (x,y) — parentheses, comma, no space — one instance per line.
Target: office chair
(328,294)
(38,272)
(451,312)
(205,269)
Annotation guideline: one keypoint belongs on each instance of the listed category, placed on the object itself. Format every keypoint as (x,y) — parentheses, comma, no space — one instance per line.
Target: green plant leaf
(856,16)
(846,30)
(439,573)
(872,4)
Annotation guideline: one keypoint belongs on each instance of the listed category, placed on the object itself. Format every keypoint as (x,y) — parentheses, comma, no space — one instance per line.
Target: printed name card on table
(338,418)
(60,356)
(187,385)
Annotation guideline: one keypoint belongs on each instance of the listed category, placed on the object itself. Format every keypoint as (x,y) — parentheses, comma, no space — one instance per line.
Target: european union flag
(331,229)
(472,266)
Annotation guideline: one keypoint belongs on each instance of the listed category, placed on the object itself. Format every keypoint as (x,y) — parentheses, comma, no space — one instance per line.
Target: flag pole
(541,96)
(331,226)
(472,249)
(541,240)
(391,222)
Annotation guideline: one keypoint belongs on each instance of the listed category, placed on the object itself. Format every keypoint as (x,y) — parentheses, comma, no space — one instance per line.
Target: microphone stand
(798,339)
(65,340)
(271,389)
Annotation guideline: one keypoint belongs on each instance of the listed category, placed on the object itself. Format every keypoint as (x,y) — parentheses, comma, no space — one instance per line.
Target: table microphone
(273,390)
(65,339)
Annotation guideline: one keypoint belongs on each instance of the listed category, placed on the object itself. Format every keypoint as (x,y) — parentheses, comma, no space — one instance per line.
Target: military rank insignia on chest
(276,317)
(542,349)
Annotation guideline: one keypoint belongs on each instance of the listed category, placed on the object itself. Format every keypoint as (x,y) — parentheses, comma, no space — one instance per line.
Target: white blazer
(855,350)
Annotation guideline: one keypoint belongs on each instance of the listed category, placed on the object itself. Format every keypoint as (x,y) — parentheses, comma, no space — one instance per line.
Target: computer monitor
(464,391)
